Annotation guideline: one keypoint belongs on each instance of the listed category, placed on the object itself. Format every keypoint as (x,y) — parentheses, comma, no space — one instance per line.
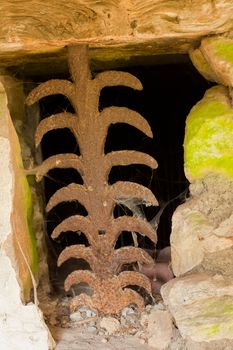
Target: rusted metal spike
(129,255)
(132,297)
(114,115)
(130,157)
(72,192)
(127,278)
(76,223)
(60,161)
(134,224)
(57,121)
(113,78)
(85,276)
(122,190)
(78,251)
(51,87)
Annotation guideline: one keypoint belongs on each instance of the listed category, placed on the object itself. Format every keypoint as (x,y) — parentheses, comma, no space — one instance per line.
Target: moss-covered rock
(214,60)
(218,52)
(208,144)
(201,64)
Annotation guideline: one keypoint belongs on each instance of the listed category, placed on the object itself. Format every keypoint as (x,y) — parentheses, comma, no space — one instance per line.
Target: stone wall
(20,323)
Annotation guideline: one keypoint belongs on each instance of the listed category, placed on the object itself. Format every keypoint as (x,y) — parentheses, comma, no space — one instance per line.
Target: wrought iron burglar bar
(90,128)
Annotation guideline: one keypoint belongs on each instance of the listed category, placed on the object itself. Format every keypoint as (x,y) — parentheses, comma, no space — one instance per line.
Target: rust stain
(90,128)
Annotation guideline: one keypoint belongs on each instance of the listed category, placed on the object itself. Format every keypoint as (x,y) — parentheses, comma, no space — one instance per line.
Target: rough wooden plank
(26,23)
(182,17)
(37,25)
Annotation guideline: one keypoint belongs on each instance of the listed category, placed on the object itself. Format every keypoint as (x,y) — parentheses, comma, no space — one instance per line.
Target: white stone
(110,324)
(159,330)
(76,316)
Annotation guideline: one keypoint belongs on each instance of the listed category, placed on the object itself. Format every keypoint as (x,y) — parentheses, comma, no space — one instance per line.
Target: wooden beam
(169,26)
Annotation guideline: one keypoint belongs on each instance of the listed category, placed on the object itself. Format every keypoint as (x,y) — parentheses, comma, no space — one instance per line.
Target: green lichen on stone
(224,49)
(215,330)
(208,144)
(29,209)
(218,307)
(218,52)
(216,319)
(211,330)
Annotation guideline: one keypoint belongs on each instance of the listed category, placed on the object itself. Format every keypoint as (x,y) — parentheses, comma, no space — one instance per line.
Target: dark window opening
(169,92)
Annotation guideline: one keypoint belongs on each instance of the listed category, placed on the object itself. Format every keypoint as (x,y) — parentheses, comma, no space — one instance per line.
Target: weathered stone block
(202,306)
(202,226)
(218,52)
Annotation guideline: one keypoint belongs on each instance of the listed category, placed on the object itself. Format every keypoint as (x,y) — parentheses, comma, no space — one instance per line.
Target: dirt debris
(87,330)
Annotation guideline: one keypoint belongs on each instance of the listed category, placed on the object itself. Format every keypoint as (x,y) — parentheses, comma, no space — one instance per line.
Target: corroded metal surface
(90,128)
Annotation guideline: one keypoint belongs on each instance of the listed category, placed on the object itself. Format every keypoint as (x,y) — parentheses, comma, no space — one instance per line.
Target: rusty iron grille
(111,292)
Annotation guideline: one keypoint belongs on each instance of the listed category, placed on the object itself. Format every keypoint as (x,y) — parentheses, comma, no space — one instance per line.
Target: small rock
(110,324)
(127,311)
(159,329)
(91,329)
(129,317)
(130,320)
(104,340)
(202,306)
(86,312)
(75,316)
(148,307)
(161,306)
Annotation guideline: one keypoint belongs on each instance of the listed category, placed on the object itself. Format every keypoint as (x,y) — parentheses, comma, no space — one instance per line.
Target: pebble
(127,311)
(129,317)
(75,316)
(104,340)
(82,313)
(91,329)
(110,324)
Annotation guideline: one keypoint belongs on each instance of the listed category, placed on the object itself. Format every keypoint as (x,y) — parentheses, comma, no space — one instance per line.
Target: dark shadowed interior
(169,92)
